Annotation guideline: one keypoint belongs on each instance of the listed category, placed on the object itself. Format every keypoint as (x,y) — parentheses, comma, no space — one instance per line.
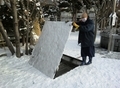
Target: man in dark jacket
(86,38)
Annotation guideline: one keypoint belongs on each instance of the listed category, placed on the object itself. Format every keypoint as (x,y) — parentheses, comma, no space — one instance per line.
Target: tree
(29,10)
(23,14)
(10,46)
(17,39)
(72,5)
(2,29)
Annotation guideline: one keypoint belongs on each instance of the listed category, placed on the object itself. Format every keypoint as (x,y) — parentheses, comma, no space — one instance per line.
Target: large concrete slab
(48,51)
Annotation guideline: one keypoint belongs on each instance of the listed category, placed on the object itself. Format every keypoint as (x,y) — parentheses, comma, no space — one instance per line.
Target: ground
(102,73)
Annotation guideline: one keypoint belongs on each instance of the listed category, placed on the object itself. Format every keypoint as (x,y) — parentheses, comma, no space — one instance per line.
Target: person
(86,37)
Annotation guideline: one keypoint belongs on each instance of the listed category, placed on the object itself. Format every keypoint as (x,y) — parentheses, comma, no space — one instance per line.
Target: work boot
(90,61)
(83,61)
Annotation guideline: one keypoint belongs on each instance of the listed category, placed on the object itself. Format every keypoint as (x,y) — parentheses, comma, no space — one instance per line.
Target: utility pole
(111,28)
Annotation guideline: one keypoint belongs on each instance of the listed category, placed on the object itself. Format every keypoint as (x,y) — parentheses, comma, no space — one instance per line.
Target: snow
(53,38)
(71,47)
(102,73)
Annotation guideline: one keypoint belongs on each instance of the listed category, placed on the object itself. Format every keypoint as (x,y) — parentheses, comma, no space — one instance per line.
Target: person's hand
(75,25)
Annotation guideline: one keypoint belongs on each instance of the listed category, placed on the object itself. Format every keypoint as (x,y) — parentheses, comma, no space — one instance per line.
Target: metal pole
(111,30)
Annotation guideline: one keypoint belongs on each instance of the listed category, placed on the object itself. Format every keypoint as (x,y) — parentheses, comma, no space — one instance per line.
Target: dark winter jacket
(86,33)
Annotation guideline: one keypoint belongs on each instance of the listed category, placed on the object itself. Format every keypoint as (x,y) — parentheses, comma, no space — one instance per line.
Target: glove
(75,25)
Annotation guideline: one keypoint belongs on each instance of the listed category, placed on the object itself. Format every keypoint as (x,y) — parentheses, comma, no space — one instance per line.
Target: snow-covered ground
(102,73)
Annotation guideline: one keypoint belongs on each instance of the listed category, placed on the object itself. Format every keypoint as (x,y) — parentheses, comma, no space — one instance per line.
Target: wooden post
(104,24)
(111,30)
(101,25)
(95,25)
